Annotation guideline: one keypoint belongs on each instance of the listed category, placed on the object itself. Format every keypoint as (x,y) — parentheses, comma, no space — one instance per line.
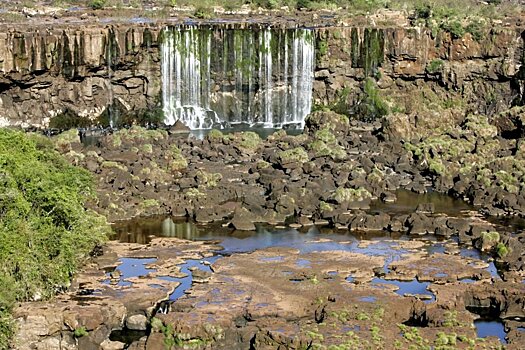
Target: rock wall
(45,72)
(406,61)
(48,71)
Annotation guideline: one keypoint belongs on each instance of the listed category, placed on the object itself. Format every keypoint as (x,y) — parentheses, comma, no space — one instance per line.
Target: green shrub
(45,231)
(294,155)
(343,195)
(203,12)
(372,105)
(502,250)
(423,11)
(97,4)
(80,332)
(435,66)
(454,27)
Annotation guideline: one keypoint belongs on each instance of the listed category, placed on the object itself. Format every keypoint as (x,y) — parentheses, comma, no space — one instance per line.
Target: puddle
(436,248)
(346,329)
(467,280)
(272,259)
(143,229)
(409,287)
(476,254)
(186,282)
(140,20)
(132,267)
(368,299)
(488,327)
(303,263)
(521,329)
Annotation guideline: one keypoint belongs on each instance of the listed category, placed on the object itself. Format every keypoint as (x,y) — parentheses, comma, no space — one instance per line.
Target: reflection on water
(407,202)
(143,229)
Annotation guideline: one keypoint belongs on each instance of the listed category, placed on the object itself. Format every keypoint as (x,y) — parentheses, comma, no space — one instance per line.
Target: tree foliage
(45,231)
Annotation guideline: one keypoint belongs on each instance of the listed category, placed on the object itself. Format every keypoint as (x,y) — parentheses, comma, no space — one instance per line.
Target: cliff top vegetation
(421,10)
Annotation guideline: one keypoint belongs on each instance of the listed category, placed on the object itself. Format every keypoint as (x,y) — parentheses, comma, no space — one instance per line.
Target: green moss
(322,47)
(362,316)
(147,148)
(344,195)
(502,250)
(177,163)
(215,135)
(209,180)
(250,140)
(325,206)
(150,203)
(372,105)
(97,4)
(194,193)
(293,155)
(492,236)
(113,165)
(325,135)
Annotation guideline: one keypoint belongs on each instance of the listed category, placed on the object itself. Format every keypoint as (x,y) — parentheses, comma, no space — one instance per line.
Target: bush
(45,231)
(97,4)
(435,66)
(203,12)
(371,105)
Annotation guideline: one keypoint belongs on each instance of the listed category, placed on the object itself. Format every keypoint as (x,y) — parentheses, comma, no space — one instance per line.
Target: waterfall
(219,77)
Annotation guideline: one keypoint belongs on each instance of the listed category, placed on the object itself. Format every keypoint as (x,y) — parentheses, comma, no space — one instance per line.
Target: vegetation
(345,195)
(97,4)
(45,231)
(439,14)
(294,155)
(80,332)
(372,105)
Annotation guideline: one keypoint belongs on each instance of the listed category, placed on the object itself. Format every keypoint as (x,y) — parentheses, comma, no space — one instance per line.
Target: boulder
(243,220)
(137,322)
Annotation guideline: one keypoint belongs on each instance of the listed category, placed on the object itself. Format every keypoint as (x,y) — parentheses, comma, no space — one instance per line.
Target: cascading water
(219,77)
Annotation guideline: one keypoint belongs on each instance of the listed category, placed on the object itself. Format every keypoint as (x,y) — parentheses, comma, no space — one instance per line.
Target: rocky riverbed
(395,264)
(279,288)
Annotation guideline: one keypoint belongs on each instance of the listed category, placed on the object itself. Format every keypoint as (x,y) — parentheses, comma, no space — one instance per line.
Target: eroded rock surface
(103,298)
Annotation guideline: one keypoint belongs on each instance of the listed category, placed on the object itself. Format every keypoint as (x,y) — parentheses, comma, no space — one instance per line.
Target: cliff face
(83,70)
(482,70)
(46,72)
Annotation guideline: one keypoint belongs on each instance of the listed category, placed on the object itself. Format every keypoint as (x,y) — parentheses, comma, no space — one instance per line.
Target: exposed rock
(137,322)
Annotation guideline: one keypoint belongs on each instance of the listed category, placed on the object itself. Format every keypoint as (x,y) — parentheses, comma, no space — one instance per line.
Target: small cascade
(217,77)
